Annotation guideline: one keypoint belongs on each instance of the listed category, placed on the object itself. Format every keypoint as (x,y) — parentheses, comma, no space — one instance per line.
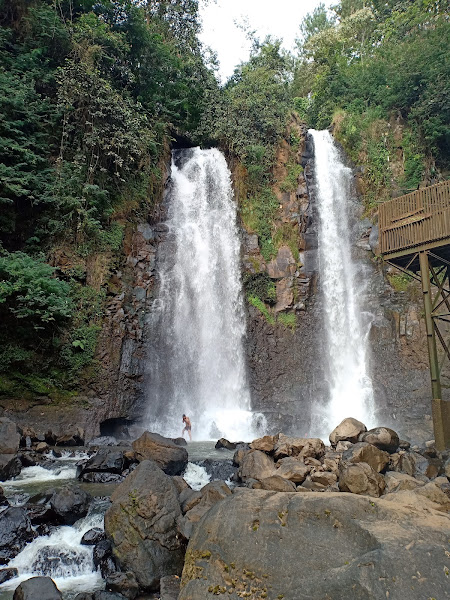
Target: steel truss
(434,277)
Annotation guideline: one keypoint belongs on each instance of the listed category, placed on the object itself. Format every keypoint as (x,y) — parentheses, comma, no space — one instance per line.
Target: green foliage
(288,235)
(259,304)
(414,163)
(90,92)
(258,213)
(290,182)
(260,285)
(288,320)
(400,281)
(30,292)
(388,57)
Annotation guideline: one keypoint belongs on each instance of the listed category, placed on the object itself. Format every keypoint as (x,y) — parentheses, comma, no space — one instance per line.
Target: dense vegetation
(379,71)
(92,92)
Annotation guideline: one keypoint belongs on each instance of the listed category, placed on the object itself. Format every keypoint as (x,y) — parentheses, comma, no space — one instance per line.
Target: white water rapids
(347,327)
(197,363)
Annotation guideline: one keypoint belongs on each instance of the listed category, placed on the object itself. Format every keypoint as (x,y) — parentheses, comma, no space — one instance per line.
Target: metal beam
(440,409)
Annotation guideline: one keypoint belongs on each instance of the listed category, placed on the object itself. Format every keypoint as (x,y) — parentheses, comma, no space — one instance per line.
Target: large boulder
(123,583)
(360,478)
(106,460)
(259,544)
(265,444)
(76,438)
(256,465)
(210,494)
(10,466)
(397,482)
(301,447)
(348,430)
(9,436)
(70,503)
(15,532)
(293,469)
(381,437)
(274,483)
(143,524)
(364,452)
(170,457)
(37,588)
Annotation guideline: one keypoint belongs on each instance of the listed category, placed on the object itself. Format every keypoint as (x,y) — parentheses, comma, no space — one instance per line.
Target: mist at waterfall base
(196,362)
(342,287)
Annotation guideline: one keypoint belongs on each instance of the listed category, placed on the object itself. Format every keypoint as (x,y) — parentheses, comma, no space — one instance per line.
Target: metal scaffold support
(440,407)
(415,237)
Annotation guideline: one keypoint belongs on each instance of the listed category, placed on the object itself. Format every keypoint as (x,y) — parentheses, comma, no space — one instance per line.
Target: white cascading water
(61,557)
(197,363)
(351,393)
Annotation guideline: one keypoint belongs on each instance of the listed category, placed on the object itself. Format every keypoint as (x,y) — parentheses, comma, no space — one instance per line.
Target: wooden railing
(417,218)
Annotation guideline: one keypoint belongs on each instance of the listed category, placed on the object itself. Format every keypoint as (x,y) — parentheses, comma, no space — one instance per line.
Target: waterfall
(347,327)
(197,323)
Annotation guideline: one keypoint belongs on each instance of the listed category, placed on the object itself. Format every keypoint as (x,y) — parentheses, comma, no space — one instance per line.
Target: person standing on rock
(187,427)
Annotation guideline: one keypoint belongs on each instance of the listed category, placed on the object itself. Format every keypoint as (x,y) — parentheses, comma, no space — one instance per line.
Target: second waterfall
(197,359)
(347,327)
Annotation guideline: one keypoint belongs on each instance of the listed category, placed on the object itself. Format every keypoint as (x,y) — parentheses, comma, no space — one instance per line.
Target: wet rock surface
(143,524)
(170,457)
(15,532)
(70,503)
(37,588)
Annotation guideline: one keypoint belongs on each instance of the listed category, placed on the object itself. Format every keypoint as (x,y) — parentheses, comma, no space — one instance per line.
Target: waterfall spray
(351,393)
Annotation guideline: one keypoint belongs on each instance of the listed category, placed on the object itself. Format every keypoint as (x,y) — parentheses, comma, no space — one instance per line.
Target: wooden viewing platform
(415,236)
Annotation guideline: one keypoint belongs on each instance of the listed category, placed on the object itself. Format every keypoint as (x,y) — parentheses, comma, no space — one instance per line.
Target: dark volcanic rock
(366,453)
(9,436)
(101,595)
(3,498)
(37,588)
(104,440)
(225,444)
(70,439)
(102,550)
(92,537)
(7,574)
(102,477)
(179,441)
(381,437)
(10,466)
(123,583)
(218,469)
(170,457)
(106,460)
(15,532)
(143,523)
(170,587)
(41,514)
(70,503)
(354,548)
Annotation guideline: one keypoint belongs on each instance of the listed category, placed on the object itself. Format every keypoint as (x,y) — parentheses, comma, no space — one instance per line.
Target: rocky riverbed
(365,516)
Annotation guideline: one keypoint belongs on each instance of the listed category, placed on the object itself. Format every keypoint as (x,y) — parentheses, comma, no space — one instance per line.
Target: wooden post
(440,408)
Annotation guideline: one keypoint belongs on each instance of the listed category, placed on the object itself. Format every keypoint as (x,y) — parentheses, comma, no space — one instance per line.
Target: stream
(59,554)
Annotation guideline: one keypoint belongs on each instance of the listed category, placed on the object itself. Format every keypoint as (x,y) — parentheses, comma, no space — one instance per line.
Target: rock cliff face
(285,364)
(286,368)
